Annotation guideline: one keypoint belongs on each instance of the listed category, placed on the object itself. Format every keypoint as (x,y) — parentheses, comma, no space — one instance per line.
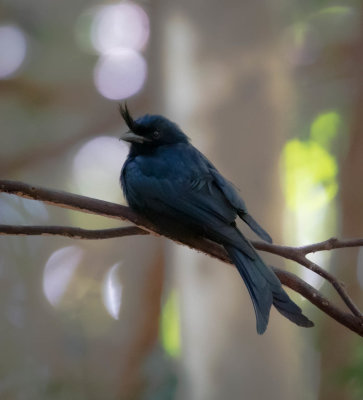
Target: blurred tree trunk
(227,85)
(146,321)
(337,343)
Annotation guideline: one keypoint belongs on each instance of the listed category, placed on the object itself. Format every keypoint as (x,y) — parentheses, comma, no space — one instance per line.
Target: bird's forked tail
(265,289)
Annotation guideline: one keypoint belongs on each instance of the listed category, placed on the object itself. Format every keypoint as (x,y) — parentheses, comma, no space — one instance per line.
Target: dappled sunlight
(97,166)
(58,272)
(112,291)
(12,50)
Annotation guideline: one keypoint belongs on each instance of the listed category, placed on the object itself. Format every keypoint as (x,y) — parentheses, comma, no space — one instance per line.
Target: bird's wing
(192,199)
(236,201)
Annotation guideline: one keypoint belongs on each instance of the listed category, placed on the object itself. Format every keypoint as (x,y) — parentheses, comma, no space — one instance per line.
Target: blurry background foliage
(138,318)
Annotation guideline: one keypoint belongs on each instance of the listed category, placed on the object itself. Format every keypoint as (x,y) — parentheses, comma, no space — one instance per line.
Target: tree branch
(70,232)
(352,321)
(298,254)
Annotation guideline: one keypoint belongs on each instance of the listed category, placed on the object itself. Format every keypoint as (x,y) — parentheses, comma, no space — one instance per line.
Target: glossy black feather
(124,111)
(170,182)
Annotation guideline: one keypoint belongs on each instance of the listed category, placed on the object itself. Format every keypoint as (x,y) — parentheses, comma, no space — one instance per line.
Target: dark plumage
(171,183)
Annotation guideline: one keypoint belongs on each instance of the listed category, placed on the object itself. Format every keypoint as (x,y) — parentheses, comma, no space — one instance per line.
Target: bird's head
(150,130)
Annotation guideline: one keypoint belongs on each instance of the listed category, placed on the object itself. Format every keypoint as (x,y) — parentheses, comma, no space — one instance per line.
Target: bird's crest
(125,113)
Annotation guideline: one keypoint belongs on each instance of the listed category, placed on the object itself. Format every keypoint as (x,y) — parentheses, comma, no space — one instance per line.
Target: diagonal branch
(332,243)
(298,254)
(111,210)
(295,283)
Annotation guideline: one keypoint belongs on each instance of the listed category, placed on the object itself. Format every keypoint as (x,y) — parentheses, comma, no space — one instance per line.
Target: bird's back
(176,183)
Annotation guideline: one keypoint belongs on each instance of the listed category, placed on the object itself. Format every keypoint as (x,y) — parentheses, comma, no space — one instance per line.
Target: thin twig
(298,254)
(332,243)
(336,284)
(295,283)
(111,210)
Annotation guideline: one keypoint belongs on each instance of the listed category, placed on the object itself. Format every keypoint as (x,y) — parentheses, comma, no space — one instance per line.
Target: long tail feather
(290,310)
(252,223)
(265,289)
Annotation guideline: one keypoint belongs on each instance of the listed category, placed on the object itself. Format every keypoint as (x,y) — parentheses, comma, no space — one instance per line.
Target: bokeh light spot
(170,326)
(59,271)
(124,25)
(325,128)
(12,50)
(120,73)
(309,175)
(97,167)
(112,291)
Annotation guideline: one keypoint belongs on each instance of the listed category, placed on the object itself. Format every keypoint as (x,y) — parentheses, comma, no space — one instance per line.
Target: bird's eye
(156,134)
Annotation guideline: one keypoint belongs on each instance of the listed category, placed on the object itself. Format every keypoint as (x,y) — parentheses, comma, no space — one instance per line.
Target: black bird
(172,184)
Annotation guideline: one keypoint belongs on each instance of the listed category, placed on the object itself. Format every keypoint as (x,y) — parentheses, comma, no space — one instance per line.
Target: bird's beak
(131,137)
